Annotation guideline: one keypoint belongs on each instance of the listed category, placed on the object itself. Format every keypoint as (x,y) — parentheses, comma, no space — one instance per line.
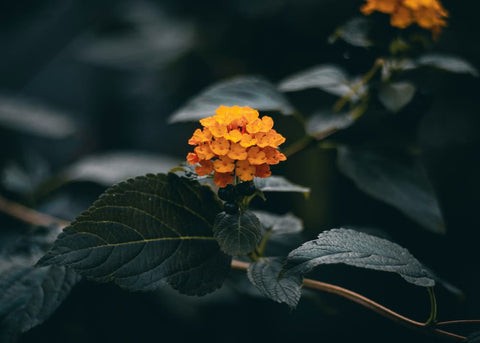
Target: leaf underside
(144,232)
(359,250)
(264,274)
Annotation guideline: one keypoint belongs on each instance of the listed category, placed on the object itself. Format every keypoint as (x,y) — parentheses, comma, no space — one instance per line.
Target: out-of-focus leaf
(29,295)
(279,224)
(237,234)
(109,168)
(278,184)
(34,118)
(154,39)
(252,91)
(359,250)
(400,183)
(144,232)
(24,178)
(394,96)
(452,64)
(323,123)
(473,337)
(354,32)
(264,274)
(329,78)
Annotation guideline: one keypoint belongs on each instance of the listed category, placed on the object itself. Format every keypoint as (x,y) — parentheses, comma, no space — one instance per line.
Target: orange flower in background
(428,14)
(235,142)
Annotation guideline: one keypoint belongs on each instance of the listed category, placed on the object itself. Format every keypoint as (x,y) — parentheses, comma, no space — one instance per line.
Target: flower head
(235,142)
(428,14)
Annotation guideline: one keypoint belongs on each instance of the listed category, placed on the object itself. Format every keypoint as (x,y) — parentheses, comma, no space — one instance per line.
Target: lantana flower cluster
(235,142)
(428,14)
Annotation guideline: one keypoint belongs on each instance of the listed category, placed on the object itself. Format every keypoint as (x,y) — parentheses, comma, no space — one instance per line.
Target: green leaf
(401,183)
(278,184)
(237,234)
(109,168)
(359,250)
(448,63)
(35,118)
(329,78)
(324,123)
(394,96)
(252,91)
(354,32)
(279,224)
(29,295)
(144,232)
(265,275)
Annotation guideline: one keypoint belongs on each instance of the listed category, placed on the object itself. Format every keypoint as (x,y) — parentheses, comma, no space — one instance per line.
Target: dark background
(67,54)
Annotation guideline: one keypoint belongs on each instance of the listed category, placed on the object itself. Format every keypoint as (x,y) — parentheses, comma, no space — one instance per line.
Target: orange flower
(428,14)
(235,141)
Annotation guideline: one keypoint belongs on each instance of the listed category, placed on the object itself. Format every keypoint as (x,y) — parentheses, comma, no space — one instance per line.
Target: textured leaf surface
(280,224)
(400,183)
(394,96)
(448,63)
(329,78)
(264,274)
(144,232)
(252,91)
(112,167)
(278,184)
(360,250)
(237,234)
(30,295)
(324,123)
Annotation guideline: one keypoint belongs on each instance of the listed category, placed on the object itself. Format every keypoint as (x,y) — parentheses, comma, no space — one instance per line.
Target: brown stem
(459,321)
(33,217)
(368,303)
(27,215)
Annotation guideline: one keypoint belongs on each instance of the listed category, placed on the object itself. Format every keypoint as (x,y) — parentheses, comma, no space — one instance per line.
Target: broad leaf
(144,232)
(237,234)
(354,32)
(398,182)
(278,184)
(252,91)
(395,96)
(30,295)
(324,123)
(109,168)
(265,275)
(360,250)
(279,224)
(329,78)
(35,118)
(452,64)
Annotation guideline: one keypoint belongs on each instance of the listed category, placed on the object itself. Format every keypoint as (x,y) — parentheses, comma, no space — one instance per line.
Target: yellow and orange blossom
(235,142)
(428,14)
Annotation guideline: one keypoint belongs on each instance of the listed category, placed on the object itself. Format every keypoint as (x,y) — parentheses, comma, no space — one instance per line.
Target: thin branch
(368,303)
(459,321)
(33,217)
(27,215)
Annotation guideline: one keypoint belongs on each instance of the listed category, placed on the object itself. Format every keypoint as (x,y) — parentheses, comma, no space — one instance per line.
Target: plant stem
(356,87)
(33,217)
(433,307)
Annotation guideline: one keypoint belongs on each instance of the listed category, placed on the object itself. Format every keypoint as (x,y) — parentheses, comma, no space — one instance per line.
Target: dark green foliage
(246,188)
(395,96)
(360,250)
(399,182)
(227,193)
(237,234)
(265,275)
(144,232)
(231,208)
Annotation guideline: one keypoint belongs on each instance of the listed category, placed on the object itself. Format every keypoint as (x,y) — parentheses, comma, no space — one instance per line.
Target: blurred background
(86,88)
